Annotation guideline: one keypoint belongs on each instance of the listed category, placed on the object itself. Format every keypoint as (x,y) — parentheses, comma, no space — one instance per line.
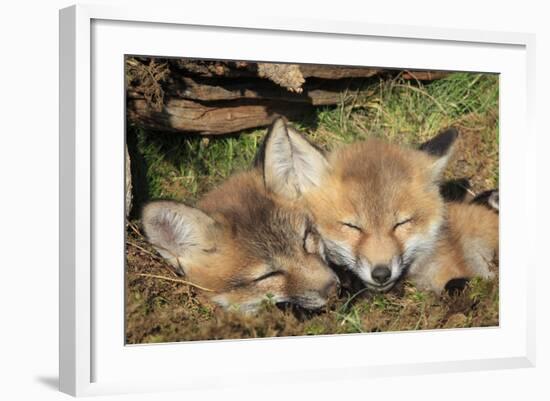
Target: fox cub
(243,243)
(378,208)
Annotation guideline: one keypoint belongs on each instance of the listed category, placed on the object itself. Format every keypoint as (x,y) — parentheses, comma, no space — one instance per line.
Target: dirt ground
(161,310)
(161,307)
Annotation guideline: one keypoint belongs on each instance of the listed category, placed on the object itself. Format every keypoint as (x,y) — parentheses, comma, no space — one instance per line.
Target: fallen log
(127,182)
(244,69)
(336,72)
(315,92)
(220,97)
(213,118)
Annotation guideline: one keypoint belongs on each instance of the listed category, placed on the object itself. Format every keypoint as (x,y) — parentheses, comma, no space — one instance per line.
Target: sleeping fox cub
(378,208)
(243,243)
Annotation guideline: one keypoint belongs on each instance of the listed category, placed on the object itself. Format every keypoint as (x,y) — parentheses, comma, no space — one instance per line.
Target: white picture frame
(93,357)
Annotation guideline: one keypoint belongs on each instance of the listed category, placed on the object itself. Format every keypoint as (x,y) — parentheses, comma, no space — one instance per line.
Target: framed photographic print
(267,197)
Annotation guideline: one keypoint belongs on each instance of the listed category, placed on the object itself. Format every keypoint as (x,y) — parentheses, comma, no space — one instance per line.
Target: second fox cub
(378,208)
(243,243)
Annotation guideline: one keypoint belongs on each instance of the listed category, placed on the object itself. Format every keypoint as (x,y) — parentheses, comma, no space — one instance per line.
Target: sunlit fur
(239,233)
(377,203)
(374,186)
(466,248)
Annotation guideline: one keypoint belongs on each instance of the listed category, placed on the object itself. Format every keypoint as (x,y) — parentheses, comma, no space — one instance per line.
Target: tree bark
(315,92)
(213,118)
(128,182)
(221,97)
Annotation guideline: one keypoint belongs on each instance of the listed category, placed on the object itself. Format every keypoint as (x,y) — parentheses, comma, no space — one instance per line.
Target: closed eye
(402,222)
(351,225)
(268,275)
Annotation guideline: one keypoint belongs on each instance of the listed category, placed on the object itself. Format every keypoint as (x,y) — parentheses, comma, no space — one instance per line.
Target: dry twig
(157,258)
(175,280)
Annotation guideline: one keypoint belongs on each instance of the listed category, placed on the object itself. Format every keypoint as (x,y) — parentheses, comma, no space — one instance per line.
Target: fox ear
(441,148)
(291,164)
(177,231)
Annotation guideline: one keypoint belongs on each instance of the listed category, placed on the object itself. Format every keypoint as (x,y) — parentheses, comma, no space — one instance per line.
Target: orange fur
(244,244)
(378,209)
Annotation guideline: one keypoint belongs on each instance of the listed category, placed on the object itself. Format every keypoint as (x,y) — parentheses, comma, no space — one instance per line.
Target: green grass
(185,167)
(182,167)
(179,166)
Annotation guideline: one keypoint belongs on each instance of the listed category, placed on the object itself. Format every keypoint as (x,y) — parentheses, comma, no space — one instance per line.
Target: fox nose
(381,274)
